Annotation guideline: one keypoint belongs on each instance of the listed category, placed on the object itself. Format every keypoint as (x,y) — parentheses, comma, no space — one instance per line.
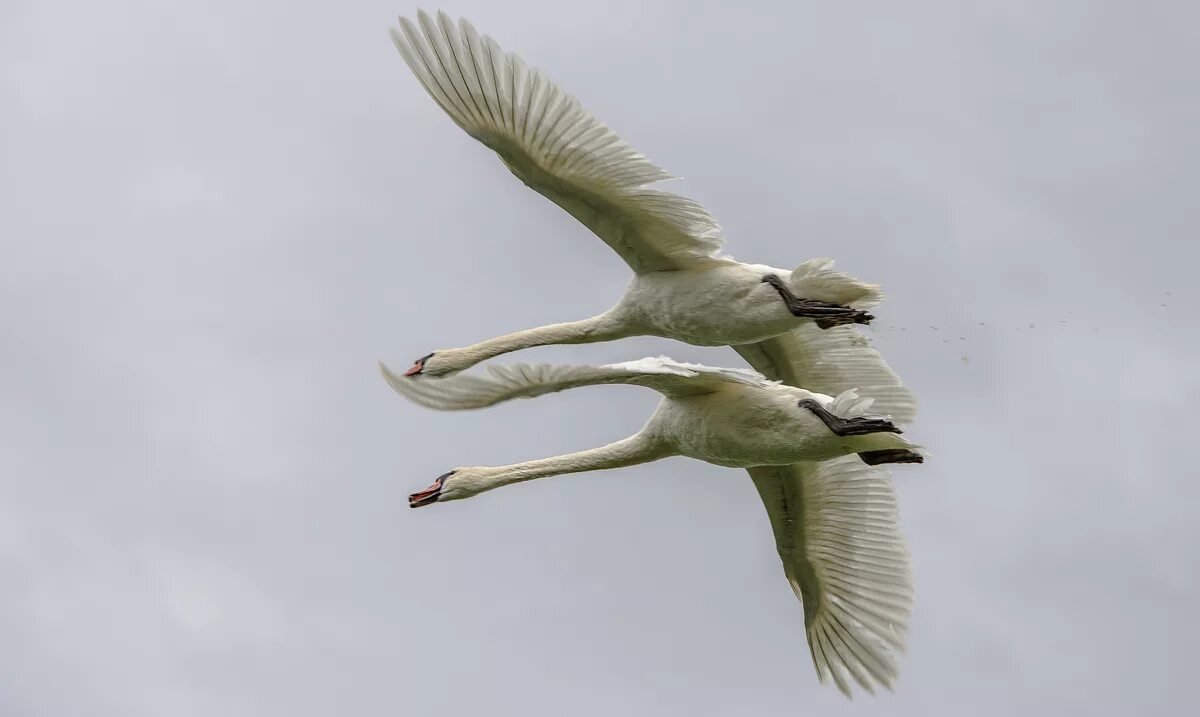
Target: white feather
(831,361)
(551,143)
(503,383)
(817,279)
(836,529)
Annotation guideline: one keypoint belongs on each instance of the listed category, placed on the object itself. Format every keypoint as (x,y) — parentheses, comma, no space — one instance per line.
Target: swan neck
(604,327)
(639,448)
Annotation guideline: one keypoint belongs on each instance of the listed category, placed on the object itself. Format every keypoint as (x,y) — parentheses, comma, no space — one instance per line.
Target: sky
(216,217)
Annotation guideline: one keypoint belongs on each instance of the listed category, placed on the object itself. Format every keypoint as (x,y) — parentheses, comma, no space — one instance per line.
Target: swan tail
(848,404)
(817,279)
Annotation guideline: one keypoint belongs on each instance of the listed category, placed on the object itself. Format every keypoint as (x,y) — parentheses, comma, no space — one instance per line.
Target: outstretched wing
(835,526)
(831,361)
(554,146)
(503,383)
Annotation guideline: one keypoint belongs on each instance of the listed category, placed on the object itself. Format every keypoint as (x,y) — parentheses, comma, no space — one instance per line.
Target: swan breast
(742,426)
(720,305)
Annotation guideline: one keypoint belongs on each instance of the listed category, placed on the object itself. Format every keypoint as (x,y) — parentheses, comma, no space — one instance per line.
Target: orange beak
(430,494)
(418,366)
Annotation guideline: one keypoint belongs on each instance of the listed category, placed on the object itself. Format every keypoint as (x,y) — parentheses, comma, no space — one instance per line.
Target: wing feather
(849,567)
(551,143)
(504,383)
(831,361)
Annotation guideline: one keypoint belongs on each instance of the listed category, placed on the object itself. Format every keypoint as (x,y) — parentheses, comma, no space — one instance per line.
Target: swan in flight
(783,322)
(834,516)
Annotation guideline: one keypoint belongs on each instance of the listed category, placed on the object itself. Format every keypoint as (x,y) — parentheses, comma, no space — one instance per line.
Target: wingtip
(446,23)
(427,23)
(387,374)
(406,27)
(397,37)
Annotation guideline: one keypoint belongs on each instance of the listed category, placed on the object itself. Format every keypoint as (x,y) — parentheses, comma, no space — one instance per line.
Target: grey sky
(215,217)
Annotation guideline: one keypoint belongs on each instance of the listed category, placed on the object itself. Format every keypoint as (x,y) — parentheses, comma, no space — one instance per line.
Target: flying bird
(834,515)
(783,322)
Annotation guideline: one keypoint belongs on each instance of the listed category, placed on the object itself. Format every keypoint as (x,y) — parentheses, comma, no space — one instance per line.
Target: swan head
(453,485)
(439,363)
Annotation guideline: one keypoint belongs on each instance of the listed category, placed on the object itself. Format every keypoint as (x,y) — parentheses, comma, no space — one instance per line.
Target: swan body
(693,305)
(729,417)
(834,517)
(741,426)
(683,287)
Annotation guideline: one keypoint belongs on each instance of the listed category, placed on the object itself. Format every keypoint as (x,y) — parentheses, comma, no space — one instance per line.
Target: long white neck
(641,447)
(605,327)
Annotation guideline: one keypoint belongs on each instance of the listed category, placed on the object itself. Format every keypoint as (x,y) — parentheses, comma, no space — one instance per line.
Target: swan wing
(831,361)
(503,383)
(835,526)
(557,148)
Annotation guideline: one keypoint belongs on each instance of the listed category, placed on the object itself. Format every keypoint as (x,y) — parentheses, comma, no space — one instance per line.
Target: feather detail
(545,137)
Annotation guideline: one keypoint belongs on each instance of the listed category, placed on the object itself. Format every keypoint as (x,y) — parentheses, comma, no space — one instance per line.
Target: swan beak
(430,494)
(418,365)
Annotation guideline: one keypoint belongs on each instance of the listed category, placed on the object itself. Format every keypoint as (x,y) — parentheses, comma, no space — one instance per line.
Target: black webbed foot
(891,455)
(827,314)
(857,426)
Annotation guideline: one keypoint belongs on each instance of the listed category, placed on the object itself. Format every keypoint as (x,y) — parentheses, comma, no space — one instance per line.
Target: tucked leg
(857,426)
(826,314)
(890,455)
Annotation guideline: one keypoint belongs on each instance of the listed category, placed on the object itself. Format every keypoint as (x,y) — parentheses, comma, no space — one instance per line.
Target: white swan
(834,521)
(682,288)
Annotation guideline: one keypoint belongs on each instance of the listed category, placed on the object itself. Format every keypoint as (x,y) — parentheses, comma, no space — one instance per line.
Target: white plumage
(555,146)
(683,287)
(834,521)
(834,517)
(836,529)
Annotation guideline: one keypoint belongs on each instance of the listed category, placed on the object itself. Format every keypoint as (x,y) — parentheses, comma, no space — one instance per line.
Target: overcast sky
(215,217)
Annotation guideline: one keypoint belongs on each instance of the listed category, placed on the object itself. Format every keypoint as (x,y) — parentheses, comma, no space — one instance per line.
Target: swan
(833,515)
(782,322)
